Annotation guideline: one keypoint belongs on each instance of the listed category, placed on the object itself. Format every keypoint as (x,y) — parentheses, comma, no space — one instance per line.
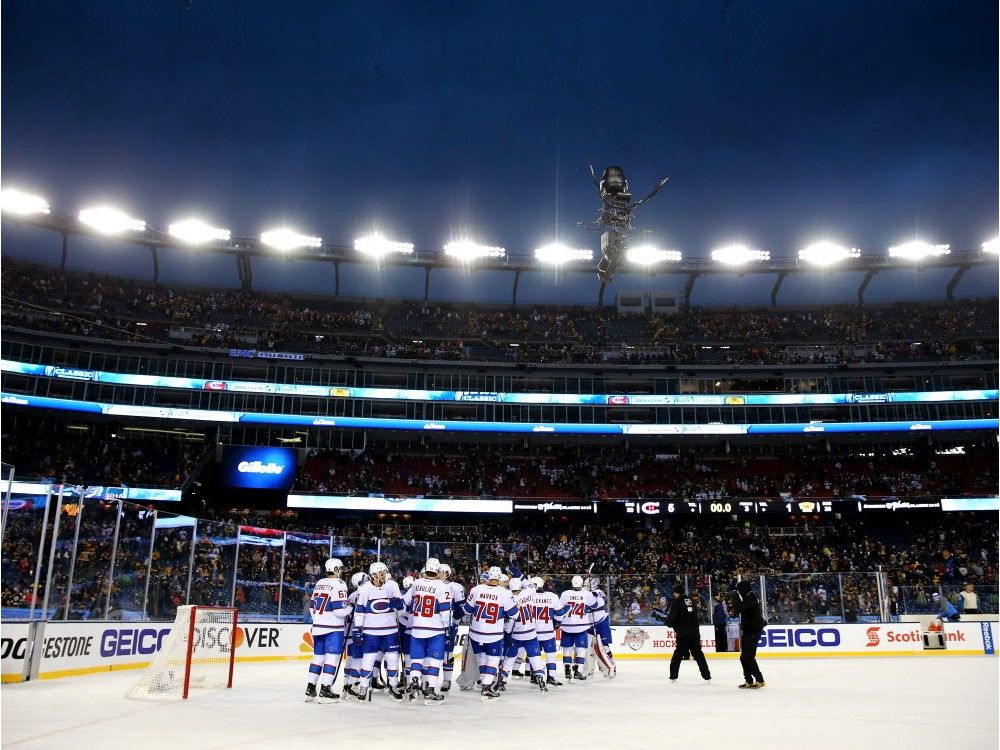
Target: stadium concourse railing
(76,557)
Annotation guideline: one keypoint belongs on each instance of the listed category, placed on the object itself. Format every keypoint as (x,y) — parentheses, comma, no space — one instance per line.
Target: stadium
(202,427)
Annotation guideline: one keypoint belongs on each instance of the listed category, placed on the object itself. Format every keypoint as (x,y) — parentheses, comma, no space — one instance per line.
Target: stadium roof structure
(244,249)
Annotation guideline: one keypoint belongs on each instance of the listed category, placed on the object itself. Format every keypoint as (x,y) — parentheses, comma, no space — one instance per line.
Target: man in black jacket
(720,618)
(752,624)
(683,618)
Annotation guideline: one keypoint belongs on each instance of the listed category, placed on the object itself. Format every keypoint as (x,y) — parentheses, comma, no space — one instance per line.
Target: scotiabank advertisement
(884,639)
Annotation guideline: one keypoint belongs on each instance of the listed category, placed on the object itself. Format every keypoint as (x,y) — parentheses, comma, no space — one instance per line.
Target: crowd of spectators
(108,307)
(99,454)
(814,569)
(580,472)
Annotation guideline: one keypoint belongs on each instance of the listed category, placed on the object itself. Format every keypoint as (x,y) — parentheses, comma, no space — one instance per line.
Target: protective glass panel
(214,563)
(305,557)
(404,557)
(22,533)
(258,569)
(128,587)
(92,569)
(461,558)
(171,564)
(804,597)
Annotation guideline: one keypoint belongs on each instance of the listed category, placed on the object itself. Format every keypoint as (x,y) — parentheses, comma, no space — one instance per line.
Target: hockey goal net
(198,653)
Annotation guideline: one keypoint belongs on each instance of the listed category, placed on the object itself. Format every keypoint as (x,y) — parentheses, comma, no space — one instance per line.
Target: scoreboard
(788,507)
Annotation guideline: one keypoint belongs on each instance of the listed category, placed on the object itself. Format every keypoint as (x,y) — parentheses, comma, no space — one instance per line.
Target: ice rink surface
(904,702)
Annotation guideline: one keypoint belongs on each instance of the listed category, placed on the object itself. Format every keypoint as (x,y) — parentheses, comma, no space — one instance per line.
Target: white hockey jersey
(547,608)
(377,606)
(524,619)
(329,606)
(488,606)
(579,606)
(429,599)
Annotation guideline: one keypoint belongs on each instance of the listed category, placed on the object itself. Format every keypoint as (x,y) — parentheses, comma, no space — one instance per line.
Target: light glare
(647,255)
(737,255)
(286,239)
(992,246)
(197,232)
(557,254)
(467,250)
(826,253)
(917,250)
(17,202)
(109,220)
(377,246)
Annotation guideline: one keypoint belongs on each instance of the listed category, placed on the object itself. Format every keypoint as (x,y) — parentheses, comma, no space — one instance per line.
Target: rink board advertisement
(76,648)
(15,642)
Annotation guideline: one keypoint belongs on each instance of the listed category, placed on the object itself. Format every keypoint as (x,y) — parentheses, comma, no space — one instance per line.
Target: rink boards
(65,649)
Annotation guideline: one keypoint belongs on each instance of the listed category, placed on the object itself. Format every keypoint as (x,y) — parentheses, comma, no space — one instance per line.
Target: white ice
(901,703)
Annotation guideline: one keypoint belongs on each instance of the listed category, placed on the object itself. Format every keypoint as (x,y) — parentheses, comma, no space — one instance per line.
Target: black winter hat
(743,587)
(679,588)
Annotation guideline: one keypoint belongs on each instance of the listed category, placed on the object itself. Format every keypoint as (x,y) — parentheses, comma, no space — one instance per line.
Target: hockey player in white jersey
(375,616)
(330,610)
(602,630)
(458,611)
(488,605)
(356,642)
(429,599)
(576,625)
(547,609)
(523,636)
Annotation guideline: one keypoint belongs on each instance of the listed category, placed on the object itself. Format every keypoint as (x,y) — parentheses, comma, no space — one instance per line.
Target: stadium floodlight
(992,246)
(647,255)
(737,255)
(917,250)
(826,253)
(109,220)
(376,246)
(197,232)
(467,250)
(286,240)
(556,254)
(17,202)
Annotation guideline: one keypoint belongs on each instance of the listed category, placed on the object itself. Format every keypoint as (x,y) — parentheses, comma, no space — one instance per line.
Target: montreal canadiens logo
(873,638)
(380,605)
(635,638)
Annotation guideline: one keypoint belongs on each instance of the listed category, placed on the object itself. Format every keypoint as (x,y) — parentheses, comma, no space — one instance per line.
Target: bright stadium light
(376,246)
(467,250)
(737,255)
(197,232)
(992,246)
(917,250)
(16,202)
(647,255)
(557,254)
(108,220)
(826,253)
(286,240)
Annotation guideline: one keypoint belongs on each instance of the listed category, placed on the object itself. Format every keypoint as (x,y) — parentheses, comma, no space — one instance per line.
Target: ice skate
(431,697)
(517,673)
(551,680)
(310,693)
(578,675)
(326,695)
(540,682)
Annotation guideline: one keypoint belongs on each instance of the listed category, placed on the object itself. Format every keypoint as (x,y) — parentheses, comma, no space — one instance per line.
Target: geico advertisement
(14,648)
(815,639)
(70,646)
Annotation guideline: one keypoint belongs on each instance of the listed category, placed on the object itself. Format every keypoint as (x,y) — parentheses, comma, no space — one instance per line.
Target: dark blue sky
(777,121)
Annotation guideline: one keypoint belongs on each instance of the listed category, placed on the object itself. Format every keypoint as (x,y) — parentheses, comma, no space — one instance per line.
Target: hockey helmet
(358,578)
(445,570)
(494,574)
(432,566)
(333,565)
(577,582)
(538,582)
(515,584)
(407,582)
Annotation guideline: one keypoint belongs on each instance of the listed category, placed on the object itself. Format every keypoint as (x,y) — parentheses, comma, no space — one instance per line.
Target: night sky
(778,122)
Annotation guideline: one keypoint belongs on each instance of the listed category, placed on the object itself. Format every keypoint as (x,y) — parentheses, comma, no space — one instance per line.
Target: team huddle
(413,632)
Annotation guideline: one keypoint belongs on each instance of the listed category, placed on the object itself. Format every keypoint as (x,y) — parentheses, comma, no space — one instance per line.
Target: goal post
(199,652)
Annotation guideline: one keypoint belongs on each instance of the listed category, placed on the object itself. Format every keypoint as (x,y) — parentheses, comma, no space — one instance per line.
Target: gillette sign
(258,468)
